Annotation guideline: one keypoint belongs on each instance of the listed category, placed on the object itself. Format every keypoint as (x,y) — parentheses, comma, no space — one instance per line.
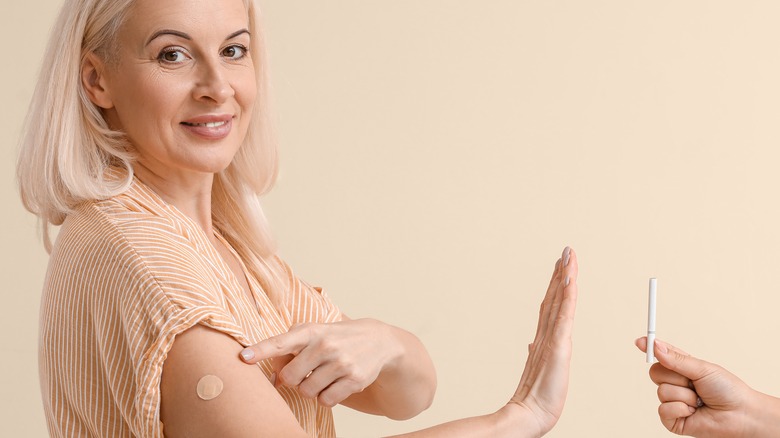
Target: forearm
(406,386)
(766,419)
(511,421)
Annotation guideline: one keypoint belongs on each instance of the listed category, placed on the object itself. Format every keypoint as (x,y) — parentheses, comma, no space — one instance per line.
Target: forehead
(192,16)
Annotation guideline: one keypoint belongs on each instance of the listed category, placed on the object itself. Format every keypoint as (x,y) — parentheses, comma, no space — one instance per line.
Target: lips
(210,127)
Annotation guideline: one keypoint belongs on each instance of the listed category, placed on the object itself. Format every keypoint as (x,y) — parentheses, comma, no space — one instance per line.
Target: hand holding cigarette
(702,399)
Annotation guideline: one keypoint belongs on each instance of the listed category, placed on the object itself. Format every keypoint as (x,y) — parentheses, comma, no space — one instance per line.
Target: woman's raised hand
(541,394)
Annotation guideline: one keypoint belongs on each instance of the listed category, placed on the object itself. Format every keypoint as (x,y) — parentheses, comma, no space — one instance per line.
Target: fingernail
(273,379)
(247,354)
(691,409)
(660,346)
(566,282)
(566,256)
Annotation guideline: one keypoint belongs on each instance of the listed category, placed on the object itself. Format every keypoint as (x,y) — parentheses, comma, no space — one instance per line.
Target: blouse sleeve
(114,300)
(306,303)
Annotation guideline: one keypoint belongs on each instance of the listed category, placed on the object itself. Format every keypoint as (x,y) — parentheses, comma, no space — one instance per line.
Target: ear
(93,79)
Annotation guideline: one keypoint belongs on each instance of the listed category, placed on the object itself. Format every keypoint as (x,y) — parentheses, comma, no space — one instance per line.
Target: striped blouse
(125,277)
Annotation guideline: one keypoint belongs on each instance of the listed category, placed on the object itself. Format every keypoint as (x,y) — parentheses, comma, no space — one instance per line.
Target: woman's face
(184,84)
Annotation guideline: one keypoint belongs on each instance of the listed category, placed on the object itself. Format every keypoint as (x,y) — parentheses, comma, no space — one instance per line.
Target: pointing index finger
(291,342)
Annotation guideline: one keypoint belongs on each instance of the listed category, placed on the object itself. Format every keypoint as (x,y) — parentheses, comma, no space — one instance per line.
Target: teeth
(207,125)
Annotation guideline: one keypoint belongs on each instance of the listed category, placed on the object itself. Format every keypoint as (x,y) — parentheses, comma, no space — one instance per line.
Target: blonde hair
(67,145)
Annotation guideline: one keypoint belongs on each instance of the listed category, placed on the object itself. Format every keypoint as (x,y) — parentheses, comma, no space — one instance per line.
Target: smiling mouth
(206,125)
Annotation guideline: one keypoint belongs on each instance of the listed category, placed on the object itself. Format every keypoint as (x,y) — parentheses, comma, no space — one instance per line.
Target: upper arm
(247,406)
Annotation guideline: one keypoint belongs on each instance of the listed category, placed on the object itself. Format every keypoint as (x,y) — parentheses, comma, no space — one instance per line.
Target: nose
(212,83)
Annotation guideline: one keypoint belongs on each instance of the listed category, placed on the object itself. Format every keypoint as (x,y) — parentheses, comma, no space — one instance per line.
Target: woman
(148,142)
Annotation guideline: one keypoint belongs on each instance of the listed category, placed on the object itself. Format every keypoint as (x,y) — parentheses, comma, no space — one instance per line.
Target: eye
(172,55)
(234,52)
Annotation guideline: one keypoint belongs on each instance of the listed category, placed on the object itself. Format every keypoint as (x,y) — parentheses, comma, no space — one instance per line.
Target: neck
(189,193)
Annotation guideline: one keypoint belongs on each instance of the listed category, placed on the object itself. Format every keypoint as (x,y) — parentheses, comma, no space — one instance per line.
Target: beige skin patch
(209,387)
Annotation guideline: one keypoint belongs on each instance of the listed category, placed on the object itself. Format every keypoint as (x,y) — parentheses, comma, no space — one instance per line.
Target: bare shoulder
(237,401)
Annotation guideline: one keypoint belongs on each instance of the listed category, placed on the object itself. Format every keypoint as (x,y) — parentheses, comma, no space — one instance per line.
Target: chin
(214,167)
(212,163)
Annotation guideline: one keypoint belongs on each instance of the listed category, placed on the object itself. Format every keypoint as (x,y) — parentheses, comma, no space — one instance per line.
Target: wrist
(765,420)
(393,346)
(406,374)
(517,420)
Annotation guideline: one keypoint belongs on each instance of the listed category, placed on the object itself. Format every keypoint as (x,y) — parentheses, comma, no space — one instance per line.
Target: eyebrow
(183,35)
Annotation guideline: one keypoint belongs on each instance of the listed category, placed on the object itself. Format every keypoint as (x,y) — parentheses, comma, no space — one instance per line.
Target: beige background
(438,155)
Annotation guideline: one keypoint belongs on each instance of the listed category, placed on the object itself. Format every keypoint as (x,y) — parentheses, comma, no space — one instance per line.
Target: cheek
(159,95)
(246,92)
(148,101)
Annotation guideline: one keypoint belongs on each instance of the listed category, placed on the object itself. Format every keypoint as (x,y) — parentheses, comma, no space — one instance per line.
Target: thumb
(681,362)
(641,344)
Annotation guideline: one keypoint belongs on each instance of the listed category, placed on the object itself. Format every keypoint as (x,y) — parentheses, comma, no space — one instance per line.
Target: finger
(673,415)
(659,374)
(277,364)
(544,308)
(338,392)
(291,342)
(563,294)
(552,300)
(572,269)
(300,367)
(541,326)
(659,343)
(564,321)
(564,308)
(681,362)
(560,341)
(641,344)
(319,379)
(671,393)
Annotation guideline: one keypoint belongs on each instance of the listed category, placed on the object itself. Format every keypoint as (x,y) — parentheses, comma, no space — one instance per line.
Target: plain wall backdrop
(438,155)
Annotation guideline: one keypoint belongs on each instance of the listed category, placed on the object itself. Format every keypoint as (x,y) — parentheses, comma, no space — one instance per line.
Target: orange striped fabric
(125,277)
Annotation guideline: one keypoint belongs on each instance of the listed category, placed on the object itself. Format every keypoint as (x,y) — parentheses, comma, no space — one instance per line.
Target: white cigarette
(651,320)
